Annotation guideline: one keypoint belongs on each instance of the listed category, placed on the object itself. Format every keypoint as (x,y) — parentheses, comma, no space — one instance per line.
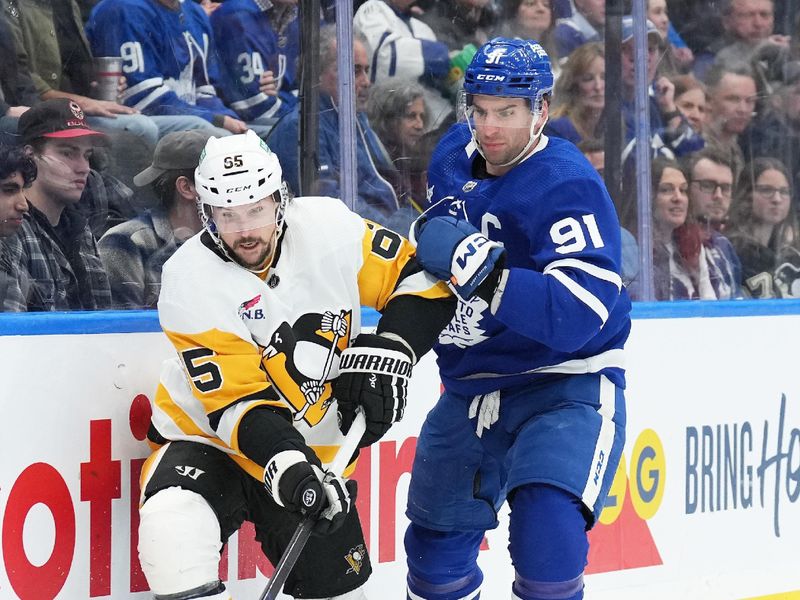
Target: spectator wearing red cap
(60,268)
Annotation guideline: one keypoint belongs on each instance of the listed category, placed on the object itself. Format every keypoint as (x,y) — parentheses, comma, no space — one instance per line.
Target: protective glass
(245,217)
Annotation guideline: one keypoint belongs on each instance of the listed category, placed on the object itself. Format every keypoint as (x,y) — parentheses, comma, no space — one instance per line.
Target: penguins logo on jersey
(355,558)
(300,358)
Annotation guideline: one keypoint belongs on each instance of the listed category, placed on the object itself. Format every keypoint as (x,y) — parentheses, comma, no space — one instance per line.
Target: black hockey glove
(373,374)
(303,487)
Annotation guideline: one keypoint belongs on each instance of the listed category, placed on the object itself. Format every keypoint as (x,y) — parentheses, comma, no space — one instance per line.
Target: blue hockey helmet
(510,68)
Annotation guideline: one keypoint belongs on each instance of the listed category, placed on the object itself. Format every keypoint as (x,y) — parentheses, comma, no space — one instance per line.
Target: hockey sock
(548,544)
(442,565)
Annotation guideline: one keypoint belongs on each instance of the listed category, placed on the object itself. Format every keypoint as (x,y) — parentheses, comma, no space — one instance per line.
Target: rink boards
(704,505)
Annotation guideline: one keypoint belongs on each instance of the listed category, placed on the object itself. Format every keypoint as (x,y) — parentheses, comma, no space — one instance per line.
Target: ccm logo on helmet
(490,77)
(241,188)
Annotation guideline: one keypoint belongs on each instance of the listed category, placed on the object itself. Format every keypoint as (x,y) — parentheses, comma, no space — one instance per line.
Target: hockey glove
(305,488)
(373,374)
(454,251)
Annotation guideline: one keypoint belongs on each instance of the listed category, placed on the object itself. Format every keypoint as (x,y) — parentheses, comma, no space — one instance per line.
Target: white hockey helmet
(237,170)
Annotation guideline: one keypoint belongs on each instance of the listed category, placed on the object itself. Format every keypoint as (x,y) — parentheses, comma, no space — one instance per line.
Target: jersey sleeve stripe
(206,90)
(610,359)
(147,84)
(273,110)
(586,267)
(249,102)
(151,97)
(581,293)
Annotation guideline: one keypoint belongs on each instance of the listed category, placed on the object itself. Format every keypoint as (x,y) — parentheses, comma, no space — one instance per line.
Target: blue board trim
(146,321)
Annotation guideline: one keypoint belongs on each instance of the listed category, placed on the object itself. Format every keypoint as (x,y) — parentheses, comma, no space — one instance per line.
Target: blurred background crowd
(105,106)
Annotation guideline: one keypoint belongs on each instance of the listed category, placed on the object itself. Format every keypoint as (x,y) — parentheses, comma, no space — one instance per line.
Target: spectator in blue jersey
(585,25)
(376,197)
(259,43)
(403,46)
(134,252)
(533,410)
(580,96)
(670,133)
(54,247)
(169,59)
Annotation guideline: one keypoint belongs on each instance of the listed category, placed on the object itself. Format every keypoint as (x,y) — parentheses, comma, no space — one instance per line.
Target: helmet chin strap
(533,136)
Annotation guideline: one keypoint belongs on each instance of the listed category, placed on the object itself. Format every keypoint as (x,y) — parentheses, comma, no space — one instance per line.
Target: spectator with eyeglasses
(689,261)
(764,231)
(711,176)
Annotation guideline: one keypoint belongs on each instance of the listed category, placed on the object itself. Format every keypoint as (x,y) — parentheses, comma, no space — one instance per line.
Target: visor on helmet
(245,217)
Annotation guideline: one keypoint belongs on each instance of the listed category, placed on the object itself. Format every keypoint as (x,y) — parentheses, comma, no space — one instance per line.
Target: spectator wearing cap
(135,251)
(60,268)
(670,133)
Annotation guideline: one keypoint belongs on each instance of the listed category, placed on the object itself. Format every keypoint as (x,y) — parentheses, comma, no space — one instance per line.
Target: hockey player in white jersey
(262,307)
(533,411)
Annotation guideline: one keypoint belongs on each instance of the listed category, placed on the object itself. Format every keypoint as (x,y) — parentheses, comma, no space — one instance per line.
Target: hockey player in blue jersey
(533,411)
(168,57)
(258,42)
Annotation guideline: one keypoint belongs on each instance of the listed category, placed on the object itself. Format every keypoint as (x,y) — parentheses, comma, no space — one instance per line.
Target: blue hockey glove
(456,252)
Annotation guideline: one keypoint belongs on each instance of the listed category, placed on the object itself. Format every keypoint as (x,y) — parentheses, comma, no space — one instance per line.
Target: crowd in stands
(97,192)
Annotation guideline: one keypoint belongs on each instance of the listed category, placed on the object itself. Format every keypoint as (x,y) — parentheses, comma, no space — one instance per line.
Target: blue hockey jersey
(248,44)
(168,56)
(560,307)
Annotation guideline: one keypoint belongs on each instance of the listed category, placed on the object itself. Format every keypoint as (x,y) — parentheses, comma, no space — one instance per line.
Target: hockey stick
(303,531)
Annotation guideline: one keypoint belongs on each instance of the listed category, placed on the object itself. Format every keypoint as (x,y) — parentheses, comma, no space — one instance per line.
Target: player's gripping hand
(305,488)
(454,251)
(373,374)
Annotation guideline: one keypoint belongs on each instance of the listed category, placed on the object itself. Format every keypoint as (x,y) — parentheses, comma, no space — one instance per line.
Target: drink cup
(107,71)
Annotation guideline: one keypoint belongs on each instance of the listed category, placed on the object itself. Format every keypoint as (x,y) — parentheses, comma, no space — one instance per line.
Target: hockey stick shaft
(303,531)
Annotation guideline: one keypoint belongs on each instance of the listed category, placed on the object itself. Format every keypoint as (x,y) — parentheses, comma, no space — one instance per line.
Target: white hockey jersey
(244,341)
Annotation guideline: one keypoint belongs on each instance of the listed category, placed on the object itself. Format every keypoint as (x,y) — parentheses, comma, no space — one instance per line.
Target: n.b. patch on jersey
(300,358)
